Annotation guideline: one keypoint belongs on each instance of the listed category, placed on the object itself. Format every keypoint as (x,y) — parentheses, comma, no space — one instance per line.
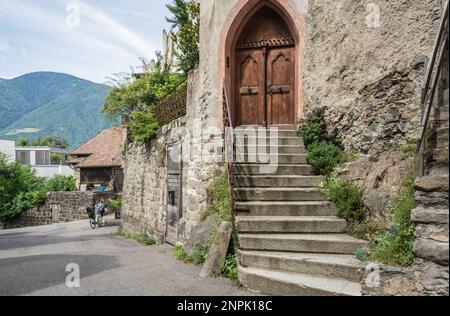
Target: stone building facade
(362,61)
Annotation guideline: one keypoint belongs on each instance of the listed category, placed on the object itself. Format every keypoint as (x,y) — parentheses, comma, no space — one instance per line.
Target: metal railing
(432,79)
(172,106)
(229,154)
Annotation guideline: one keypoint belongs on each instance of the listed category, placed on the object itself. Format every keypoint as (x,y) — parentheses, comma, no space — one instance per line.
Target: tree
(185,22)
(141,94)
(20,188)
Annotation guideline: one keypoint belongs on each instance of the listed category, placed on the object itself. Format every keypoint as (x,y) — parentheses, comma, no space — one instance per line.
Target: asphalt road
(33,261)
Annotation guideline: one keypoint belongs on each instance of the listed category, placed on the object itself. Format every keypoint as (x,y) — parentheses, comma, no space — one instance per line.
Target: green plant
(346,195)
(180,253)
(324,157)
(312,133)
(198,255)
(141,238)
(142,126)
(185,22)
(60,183)
(140,95)
(114,204)
(22,142)
(313,129)
(219,201)
(394,246)
(20,189)
(230,267)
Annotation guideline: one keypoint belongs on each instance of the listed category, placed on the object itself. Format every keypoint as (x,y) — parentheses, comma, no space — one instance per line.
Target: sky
(90,39)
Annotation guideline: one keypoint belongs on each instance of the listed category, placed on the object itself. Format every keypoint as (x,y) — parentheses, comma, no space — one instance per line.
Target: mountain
(46,103)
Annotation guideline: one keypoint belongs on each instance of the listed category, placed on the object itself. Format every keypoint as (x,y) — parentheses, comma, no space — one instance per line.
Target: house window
(23,157)
(42,158)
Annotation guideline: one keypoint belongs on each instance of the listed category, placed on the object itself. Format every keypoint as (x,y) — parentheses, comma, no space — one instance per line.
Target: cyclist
(100,211)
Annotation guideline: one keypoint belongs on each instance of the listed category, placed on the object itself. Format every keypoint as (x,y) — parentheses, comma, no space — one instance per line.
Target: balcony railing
(172,106)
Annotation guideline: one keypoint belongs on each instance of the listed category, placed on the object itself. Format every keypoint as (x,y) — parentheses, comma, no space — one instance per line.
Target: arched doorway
(263,74)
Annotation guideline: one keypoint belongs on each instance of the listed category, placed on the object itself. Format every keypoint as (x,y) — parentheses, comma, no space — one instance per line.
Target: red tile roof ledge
(103,150)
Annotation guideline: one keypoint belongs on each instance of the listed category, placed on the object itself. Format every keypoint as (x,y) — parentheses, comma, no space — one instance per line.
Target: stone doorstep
(285,208)
(278,194)
(311,243)
(290,224)
(335,266)
(278,181)
(278,169)
(270,158)
(287,283)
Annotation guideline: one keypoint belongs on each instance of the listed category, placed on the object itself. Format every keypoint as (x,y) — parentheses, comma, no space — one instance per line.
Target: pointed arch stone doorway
(262,69)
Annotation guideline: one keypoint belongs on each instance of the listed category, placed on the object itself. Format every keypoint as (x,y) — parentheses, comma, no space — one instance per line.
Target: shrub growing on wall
(61,183)
(324,157)
(324,149)
(346,195)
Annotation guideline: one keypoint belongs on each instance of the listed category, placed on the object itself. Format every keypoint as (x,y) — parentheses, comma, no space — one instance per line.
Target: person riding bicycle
(99,210)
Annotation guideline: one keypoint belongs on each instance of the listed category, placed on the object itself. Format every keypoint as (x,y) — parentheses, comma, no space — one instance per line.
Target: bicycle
(93,221)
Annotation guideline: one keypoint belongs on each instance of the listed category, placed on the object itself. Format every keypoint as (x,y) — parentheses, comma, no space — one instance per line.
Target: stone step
(261,150)
(252,132)
(317,243)
(272,158)
(334,266)
(268,141)
(276,169)
(285,208)
(278,194)
(290,224)
(278,181)
(288,283)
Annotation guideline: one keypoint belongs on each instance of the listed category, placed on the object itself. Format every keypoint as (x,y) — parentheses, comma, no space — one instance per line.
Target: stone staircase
(291,241)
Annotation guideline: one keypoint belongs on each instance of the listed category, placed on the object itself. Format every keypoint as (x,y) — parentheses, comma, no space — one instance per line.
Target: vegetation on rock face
(324,149)
(219,204)
(394,246)
(219,201)
(185,22)
(346,195)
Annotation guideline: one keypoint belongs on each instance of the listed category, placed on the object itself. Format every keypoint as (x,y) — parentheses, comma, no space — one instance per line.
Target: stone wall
(59,207)
(368,75)
(380,177)
(145,183)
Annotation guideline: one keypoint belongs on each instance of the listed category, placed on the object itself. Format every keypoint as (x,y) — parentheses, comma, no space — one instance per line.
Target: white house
(8,147)
(47,161)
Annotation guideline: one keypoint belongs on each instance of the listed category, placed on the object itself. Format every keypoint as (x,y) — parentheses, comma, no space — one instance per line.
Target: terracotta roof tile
(103,150)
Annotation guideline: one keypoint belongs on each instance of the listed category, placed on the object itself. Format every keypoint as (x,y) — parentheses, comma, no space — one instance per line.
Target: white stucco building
(42,159)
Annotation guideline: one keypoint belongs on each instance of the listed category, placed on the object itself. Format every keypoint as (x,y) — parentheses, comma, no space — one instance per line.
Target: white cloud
(4,45)
(108,41)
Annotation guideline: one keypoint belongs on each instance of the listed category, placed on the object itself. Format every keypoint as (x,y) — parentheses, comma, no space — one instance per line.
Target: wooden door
(173,193)
(118,180)
(281,87)
(250,92)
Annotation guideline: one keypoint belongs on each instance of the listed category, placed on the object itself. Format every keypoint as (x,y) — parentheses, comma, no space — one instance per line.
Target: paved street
(33,262)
